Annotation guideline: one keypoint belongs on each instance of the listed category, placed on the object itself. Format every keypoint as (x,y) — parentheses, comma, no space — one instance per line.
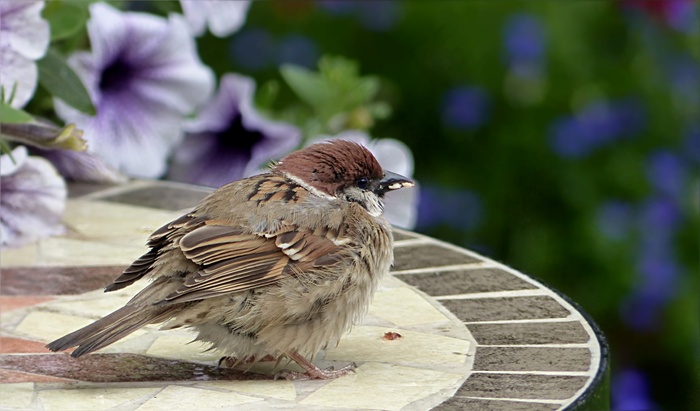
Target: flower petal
(32,202)
(23,29)
(24,37)
(19,74)
(222,17)
(144,75)
(229,139)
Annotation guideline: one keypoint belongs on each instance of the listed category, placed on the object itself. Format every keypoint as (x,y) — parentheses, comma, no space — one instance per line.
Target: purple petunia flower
(144,76)
(401,208)
(223,17)
(228,139)
(33,198)
(465,108)
(24,38)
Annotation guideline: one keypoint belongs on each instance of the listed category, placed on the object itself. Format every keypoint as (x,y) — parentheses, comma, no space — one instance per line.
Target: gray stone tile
(165,197)
(428,255)
(568,332)
(453,282)
(403,235)
(467,404)
(76,189)
(532,359)
(506,308)
(545,387)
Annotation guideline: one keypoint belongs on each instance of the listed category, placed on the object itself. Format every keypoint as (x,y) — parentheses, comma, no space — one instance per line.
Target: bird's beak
(392,181)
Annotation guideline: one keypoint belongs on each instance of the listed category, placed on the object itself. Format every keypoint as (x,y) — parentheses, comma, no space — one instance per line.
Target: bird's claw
(329,373)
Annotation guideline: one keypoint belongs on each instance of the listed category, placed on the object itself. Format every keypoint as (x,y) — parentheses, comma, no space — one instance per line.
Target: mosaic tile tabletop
(474,334)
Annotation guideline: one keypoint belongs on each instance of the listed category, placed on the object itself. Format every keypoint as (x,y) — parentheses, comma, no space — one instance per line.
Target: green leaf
(65,19)
(6,149)
(266,95)
(309,86)
(11,115)
(59,79)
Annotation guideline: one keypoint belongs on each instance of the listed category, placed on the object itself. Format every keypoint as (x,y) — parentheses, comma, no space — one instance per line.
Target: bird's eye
(362,182)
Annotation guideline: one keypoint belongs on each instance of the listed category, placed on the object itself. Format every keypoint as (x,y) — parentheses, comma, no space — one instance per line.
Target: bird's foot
(312,372)
(316,373)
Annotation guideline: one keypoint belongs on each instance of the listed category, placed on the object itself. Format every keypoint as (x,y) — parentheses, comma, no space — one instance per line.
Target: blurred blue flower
(659,274)
(641,310)
(144,76)
(465,108)
(691,144)
(460,209)
(683,73)
(667,173)
(682,15)
(595,125)
(630,391)
(660,217)
(523,40)
(615,219)
(568,139)
(337,7)
(253,49)
(228,139)
(298,50)
(378,15)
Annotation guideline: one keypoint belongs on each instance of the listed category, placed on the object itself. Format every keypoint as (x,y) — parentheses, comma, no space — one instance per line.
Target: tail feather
(109,329)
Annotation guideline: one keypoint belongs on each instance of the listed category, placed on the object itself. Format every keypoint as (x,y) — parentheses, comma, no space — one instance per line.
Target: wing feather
(234,260)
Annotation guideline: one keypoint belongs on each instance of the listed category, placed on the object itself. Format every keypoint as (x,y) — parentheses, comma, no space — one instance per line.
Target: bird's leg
(312,371)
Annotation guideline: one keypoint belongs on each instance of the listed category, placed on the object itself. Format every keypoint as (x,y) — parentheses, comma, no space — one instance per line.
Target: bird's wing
(159,241)
(233,259)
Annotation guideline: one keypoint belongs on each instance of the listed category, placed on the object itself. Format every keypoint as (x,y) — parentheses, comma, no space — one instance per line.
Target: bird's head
(344,170)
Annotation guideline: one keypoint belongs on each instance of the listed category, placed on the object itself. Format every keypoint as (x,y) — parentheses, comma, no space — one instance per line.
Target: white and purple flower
(144,76)
(229,139)
(33,198)
(223,17)
(24,38)
(401,205)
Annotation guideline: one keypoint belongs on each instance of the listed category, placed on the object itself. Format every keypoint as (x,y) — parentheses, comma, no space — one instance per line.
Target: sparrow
(280,264)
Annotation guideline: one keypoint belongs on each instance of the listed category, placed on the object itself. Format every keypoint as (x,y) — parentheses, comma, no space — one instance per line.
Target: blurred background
(561,138)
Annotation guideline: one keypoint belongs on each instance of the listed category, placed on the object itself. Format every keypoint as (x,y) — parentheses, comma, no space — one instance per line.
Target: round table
(449,329)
